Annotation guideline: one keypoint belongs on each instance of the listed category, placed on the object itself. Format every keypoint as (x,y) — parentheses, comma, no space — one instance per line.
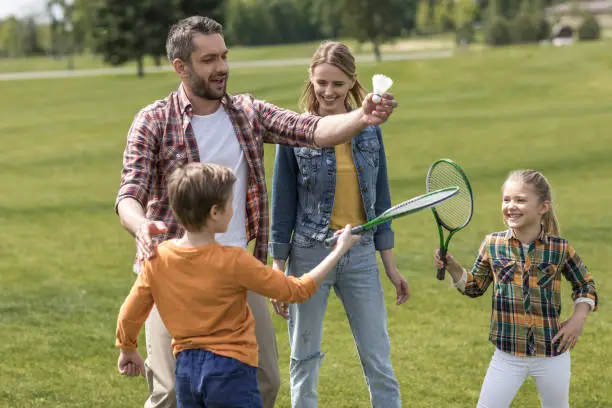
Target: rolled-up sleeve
(384,238)
(139,159)
(284,202)
(286,127)
(575,271)
(478,280)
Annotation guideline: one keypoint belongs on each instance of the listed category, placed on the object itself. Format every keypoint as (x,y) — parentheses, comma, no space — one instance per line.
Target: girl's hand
(571,329)
(452,265)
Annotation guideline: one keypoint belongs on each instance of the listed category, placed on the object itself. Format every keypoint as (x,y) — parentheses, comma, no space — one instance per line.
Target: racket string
(457,211)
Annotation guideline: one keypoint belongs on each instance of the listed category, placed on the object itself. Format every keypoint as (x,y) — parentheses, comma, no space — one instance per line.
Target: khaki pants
(160,362)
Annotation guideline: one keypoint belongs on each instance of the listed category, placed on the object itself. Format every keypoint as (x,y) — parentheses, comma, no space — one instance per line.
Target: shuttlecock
(381,84)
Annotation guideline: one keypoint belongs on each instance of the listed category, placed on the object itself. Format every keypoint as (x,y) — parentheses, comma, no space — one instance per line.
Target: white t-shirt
(218,144)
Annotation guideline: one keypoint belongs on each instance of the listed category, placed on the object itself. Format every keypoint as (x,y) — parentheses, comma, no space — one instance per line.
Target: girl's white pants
(507,373)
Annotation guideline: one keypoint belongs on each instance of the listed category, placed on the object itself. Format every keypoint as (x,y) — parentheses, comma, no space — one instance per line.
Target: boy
(200,289)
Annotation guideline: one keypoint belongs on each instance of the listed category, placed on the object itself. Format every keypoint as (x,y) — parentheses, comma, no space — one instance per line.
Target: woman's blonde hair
(542,188)
(337,54)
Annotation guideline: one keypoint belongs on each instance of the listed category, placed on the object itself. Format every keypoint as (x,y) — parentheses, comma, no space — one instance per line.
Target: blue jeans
(208,380)
(357,284)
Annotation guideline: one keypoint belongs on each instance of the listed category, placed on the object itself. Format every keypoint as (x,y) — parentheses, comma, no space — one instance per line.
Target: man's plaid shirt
(527,289)
(161,140)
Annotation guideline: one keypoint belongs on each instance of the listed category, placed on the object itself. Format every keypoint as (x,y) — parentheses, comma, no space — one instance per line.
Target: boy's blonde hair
(337,54)
(195,188)
(542,188)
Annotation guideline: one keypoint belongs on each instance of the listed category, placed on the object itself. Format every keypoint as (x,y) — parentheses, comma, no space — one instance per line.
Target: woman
(316,192)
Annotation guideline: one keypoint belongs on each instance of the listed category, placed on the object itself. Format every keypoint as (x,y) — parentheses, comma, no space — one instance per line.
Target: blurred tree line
(124,30)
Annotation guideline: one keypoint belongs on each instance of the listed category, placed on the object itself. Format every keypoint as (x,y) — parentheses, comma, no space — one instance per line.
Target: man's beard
(201,87)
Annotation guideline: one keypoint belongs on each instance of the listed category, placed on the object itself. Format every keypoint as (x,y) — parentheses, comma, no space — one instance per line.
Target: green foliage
(465,33)
(10,37)
(376,21)
(465,14)
(523,27)
(424,18)
(543,28)
(497,32)
(273,22)
(130,31)
(590,28)
(444,16)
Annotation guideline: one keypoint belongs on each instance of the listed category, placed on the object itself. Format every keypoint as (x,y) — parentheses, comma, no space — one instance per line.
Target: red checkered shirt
(161,140)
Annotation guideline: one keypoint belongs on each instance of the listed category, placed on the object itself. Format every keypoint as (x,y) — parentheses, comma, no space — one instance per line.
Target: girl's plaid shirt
(161,139)
(527,289)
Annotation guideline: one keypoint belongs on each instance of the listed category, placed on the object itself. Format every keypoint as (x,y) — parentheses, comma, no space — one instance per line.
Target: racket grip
(442,271)
(330,242)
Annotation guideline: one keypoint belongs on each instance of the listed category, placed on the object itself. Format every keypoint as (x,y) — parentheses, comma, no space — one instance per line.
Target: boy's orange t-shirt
(201,295)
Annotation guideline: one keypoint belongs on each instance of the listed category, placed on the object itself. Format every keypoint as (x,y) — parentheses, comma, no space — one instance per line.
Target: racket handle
(330,242)
(442,271)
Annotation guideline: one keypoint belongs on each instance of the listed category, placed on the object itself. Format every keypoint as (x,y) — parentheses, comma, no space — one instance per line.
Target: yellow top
(348,203)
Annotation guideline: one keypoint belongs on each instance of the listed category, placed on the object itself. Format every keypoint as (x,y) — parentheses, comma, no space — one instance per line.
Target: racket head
(427,200)
(455,213)
(404,208)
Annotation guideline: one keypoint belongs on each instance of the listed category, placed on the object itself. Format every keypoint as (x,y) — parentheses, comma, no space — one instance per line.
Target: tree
(208,8)
(30,43)
(424,20)
(328,16)
(443,15)
(10,37)
(60,12)
(376,21)
(523,27)
(129,31)
(465,15)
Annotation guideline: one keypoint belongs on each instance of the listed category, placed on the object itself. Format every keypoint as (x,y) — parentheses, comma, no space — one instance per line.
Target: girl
(525,264)
(314,193)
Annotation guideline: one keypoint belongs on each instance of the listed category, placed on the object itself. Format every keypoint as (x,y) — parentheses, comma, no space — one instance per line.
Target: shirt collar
(543,237)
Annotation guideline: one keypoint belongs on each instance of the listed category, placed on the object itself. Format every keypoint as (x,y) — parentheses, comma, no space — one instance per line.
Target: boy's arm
(257,277)
(134,312)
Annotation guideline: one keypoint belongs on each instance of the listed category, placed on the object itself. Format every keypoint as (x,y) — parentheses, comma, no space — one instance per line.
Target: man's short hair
(179,43)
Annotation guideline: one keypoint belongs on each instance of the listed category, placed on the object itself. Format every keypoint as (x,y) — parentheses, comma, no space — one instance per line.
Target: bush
(464,34)
(497,32)
(543,28)
(590,29)
(523,30)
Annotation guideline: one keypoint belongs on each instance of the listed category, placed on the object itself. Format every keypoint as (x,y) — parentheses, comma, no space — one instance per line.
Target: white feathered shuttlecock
(381,84)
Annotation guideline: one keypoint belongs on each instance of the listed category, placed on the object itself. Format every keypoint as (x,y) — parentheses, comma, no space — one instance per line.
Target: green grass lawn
(65,261)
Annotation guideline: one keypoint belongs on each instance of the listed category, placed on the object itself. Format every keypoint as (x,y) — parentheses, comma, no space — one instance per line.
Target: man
(201,122)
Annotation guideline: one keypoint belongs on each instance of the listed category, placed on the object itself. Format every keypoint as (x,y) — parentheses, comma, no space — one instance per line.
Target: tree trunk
(376,48)
(157,59)
(139,64)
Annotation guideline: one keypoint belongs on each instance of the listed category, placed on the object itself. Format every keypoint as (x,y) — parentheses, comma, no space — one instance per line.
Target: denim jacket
(304,186)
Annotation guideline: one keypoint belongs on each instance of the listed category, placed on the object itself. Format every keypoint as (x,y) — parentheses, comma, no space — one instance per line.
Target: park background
(495,85)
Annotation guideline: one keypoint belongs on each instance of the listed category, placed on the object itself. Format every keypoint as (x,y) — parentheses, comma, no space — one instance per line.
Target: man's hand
(377,113)
(144,234)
